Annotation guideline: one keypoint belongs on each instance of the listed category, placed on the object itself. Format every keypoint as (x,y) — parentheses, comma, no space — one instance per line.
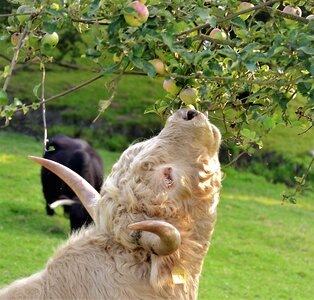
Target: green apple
(139,17)
(244,6)
(158,65)
(24,9)
(170,86)
(217,34)
(50,39)
(15,37)
(188,95)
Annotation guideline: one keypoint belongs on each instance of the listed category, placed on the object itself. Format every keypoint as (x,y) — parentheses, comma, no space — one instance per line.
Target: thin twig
(44,105)
(235,159)
(230,17)
(221,42)
(16,14)
(288,16)
(305,131)
(66,92)
(89,21)
(15,56)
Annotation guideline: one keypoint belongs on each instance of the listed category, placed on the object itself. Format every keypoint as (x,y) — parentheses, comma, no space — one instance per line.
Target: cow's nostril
(191,114)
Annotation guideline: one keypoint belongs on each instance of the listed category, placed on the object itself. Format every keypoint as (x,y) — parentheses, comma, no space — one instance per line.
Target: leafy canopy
(244,63)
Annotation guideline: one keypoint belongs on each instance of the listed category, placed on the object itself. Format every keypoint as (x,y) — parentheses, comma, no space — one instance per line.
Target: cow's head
(154,183)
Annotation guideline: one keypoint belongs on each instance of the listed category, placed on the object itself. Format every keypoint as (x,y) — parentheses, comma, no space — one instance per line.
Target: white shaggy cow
(153,222)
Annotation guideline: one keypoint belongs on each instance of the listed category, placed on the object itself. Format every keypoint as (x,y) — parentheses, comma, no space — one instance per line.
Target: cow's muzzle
(188,114)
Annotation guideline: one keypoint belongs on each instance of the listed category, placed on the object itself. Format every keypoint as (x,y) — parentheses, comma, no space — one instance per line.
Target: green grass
(261,248)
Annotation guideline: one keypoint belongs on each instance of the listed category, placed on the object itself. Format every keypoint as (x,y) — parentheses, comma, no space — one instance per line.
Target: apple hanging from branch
(50,39)
(139,16)
(188,95)
(244,6)
(217,34)
(170,86)
(158,65)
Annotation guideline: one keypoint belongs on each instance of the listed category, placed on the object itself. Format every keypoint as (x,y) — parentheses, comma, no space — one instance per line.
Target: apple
(293,10)
(139,17)
(188,95)
(158,65)
(244,6)
(217,34)
(296,11)
(15,37)
(170,86)
(24,9)
(50,39)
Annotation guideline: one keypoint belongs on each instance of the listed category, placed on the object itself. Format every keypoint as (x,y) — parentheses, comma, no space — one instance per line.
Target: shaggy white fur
(173,177)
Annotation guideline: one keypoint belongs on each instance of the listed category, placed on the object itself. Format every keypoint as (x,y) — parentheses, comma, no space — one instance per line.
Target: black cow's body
(79,156)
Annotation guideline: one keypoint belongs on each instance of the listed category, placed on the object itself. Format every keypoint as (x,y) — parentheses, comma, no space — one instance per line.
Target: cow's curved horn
(159,237)
(86,193)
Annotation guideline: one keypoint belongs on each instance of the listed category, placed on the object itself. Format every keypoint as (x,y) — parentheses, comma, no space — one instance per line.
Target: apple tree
(250,65)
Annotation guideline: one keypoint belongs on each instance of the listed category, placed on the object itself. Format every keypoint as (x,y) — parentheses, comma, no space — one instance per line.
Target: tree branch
(90,21)
(16,55)
(219,42)
(66,92)
(43,78)
(288,16)
(234,15)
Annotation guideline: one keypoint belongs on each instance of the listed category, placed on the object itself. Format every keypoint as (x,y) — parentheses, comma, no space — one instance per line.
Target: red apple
(24,9)
(244,6)
(50,39)
(217,34)
(170,86)
(188,95)
(139,17)
(296,11)
(158,65)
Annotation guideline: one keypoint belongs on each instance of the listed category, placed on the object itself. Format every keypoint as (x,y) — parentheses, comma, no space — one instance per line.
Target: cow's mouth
(188,114)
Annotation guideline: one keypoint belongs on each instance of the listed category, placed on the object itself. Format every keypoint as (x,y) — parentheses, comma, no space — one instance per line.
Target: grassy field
(261,248)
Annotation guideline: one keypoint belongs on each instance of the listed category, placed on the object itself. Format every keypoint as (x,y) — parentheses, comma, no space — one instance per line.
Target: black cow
(79,156)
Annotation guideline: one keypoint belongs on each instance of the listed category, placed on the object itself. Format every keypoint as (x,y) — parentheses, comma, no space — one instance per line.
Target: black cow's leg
(50,211)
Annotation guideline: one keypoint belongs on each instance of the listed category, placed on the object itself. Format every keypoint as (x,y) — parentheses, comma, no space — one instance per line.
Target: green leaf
(299,180)
(248,133)
(3,97)
(268,123)
(110,69)
(307,50)
(149,69)
(35,90)
(238,22)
